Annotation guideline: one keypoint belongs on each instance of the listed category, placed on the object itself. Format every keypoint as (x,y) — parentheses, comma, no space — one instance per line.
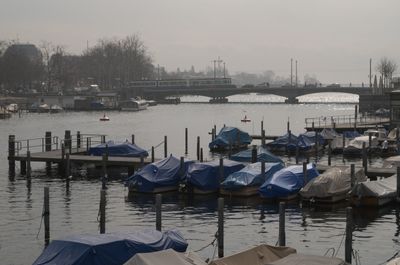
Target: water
(248,221)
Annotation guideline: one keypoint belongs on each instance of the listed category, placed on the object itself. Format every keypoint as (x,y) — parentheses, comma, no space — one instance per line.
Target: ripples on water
(248,221)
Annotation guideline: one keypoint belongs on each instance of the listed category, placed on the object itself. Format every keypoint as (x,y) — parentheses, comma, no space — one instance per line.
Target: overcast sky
(332,39)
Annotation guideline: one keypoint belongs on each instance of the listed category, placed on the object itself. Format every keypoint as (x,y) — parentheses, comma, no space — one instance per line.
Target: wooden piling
(11,154)
(182,166)
(67,166)
(282,234)
(103,139)
(329,152)
(348,248)
(263,137)
(133,139)
(198,148)
(254,154)
(158,211)
(141,161)
(28,165)
(102,211)
(201,154)
(78,140)
(355,117)
(262,126)
(288,126)
(48,141)
(263,168)
(152,154)
(297,152)
(316,146)
(305,172)
(46,215)
(364,158)
(61,165)
(104,176)
(369,141)
(23,167)
(68,140)
(221,169)
(398,184)
(186,141)
(352,175)
(312,126)
(165,146)
(220,227)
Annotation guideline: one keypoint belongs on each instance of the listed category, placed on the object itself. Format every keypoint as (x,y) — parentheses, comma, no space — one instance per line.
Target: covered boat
(392,162)
(118,149)
(330,134)
(374,193)
(230,137)
(287,141)
(331,186)
(296,259)
(311,135)
(355,146)
(247,181)
(287,182)
(262,254)
(165,257)
(206,177)
(262,155)
(161,176)
(107,249)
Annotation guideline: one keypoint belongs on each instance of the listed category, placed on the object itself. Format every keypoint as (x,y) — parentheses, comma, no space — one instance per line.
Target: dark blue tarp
(304,143)
(118,149)
(206,176)
(283,142)
(351,134)
(287,181)
(230,136)
(250,176)
(108,249)
(262,155)
(163,173)
(311,137)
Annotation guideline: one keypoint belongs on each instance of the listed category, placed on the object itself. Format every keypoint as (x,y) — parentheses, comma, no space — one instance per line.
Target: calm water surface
(249,222)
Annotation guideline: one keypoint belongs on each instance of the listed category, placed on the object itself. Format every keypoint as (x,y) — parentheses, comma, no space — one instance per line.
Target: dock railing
(342,120)
(76,142)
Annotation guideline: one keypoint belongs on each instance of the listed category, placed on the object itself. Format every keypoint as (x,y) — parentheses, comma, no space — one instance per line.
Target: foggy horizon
(331,40)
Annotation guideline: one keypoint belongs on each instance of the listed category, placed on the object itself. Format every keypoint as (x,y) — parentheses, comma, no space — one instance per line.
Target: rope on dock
(41,221)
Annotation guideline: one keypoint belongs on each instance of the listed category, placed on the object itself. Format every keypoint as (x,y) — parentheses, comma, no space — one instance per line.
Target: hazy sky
(332,39)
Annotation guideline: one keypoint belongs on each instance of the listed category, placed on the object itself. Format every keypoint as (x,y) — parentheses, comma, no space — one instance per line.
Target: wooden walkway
(79,156)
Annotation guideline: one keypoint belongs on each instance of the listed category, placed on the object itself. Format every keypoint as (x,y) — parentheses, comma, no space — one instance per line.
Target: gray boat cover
(334,181)
(392,134)
(382,188)
(297,259)
(394,262)
(165,257)
(358,142)
(392,162)
(329,133)
(259,255)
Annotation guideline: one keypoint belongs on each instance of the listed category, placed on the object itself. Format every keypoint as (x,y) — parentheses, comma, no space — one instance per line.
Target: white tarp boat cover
(329,133)
(259,255)
(394,262)
(334,181)
(358,142)
(381,188)
(165,257)
(297,259)
(392,162)
(392,134)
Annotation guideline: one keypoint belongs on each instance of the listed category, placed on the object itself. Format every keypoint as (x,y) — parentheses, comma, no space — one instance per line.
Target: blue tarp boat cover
(118,149)
(351,134)
(230,136)
(281,142)
(250,176)
(262,155)
(206,176)
(108,249)
(287,181)
(163,173)
(311,137)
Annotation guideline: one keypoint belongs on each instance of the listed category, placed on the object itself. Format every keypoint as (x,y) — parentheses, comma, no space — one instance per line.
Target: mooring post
(220,227)
(282,234)
(364,158)
(23,167)
(152,154)
(343,143)
(263,168)
(398,184)
(297,152)
(47,141)
(305,172)
(104,176)
(67,140)
(334,125)
(352,175)
(158,211)
(165,146)
(369,142)
(46,216)
(67,166)
(141,161)
(254,154)
(87,144)
(133,139)
(198,148)
(186,141)
(355,117)
(102,211)
(329,152)
(11,154)
(288,126)
(262,126)
(78,140)
(28,165)
(201,154)
(312,126)
(103,139)
(397,138)
(61,166)
(182,166)
(263,137)
(289,141)
(316,146)
(348,248)
(221,169)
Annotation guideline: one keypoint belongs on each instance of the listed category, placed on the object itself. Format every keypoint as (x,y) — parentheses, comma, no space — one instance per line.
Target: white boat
(43,108)
(55,109)
(104,118)
(380,134)
(12,108)
(133,105)
(354,148)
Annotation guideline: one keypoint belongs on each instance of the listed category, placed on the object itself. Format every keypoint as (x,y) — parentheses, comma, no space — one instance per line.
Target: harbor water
(248,222)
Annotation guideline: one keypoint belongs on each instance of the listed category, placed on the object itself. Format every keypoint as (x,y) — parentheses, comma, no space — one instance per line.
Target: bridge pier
(291,101)
(218,100)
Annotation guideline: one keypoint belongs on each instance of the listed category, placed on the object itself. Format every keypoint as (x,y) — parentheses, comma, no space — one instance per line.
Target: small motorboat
(245,119)
(104,118)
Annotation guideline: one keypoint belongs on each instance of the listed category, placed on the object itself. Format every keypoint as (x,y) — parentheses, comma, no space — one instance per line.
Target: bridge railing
(343,120)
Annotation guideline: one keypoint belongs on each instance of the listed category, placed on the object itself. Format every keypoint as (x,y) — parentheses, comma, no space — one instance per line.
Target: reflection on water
(74,205)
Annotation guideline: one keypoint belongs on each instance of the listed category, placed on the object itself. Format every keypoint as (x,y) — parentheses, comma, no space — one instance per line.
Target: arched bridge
(291,93)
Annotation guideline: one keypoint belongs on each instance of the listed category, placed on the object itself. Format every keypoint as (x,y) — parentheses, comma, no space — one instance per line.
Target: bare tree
(386,68)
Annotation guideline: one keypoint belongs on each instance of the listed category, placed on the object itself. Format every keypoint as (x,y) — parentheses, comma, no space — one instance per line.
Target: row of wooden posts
(220,233)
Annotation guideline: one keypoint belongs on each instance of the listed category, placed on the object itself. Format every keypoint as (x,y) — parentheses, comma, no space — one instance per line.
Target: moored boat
(230,138)
(355,146)
(262,155)
(133,105)
(112,148)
